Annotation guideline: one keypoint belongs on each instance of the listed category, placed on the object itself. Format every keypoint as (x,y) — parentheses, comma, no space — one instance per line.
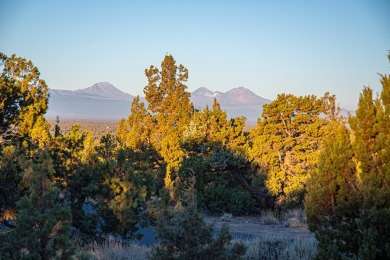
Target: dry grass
(295,218)
(268,218)
(258,248)
(117,250)
(280,248)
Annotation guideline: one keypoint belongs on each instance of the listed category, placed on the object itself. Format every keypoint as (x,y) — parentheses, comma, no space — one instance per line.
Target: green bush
(220,198)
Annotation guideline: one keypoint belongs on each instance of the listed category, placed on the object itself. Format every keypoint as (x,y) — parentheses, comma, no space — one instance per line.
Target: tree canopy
(24,98)
(168,160)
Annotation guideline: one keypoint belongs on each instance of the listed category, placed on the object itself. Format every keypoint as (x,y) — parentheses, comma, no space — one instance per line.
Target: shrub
(295,218)
(220,198)
(268,218)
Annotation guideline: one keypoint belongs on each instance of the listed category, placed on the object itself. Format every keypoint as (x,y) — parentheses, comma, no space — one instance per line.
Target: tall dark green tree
(372,149)
(333,197)
(348,206)
(43,220)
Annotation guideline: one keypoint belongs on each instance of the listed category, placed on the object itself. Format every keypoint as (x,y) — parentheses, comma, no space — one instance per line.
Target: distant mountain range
(236,102)
(101,90)
(104,101)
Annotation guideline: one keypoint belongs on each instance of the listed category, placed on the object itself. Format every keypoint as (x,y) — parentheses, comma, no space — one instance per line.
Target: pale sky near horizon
(269,47)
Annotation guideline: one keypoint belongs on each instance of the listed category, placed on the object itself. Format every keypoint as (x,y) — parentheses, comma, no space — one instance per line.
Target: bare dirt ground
(252,227)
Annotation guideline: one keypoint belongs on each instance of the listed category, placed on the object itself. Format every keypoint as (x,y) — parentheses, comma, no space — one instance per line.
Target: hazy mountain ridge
(102,90)
(104,101)
(235,96)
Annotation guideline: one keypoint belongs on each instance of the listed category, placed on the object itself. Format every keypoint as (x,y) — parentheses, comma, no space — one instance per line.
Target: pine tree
(43,221)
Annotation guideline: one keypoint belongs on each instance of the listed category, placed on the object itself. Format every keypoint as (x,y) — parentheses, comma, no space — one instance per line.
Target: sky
(269,47)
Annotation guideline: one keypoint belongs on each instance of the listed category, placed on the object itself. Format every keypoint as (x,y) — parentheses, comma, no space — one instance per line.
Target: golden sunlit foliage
(133,174)
(287,140)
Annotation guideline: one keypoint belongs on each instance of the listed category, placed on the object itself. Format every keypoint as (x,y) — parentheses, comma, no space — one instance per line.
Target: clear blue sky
(270,47)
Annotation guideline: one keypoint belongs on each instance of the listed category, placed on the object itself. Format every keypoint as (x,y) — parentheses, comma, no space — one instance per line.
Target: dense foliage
(287,140)
(44,220)
(54,179)
(348,200)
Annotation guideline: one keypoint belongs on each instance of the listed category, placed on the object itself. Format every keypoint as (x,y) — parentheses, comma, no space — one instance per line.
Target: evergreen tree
(184,234)
(76,174)
(348,206)
(208,126)
(371,146)
(287,140)
(11,186)
(43,221)
(135,132)
(170,106)
(124,189)
(23,128)
(332,201)
(23,98)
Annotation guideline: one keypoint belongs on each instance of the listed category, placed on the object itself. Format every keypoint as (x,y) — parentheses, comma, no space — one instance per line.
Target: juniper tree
(135,132)
(135,138)
(287,140)
(209,126)
(75,162)
(23,98)
(348,206)
(170,106)
(43,220)
(23,128)
(372,148)
(333,197)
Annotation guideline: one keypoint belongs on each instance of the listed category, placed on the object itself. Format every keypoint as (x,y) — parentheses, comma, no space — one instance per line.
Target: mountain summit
(104,90)
(205,92)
